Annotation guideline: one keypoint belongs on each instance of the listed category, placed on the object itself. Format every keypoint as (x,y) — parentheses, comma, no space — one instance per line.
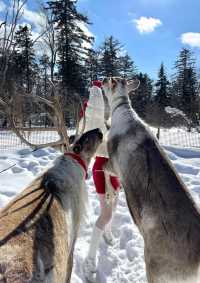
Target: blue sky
(151,31)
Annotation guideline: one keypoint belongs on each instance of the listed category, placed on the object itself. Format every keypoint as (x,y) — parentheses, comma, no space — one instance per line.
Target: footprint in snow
(120,219)
(31,165)
(45,158)
(24,152)
(24,163)
(132,250)
(40,153)
(51,150)
(195,183)
(7,193)
(17,169)
(52,157)
(36,170)
(3,157)
(126,235)
(43,162)
(185,169)
(171,155)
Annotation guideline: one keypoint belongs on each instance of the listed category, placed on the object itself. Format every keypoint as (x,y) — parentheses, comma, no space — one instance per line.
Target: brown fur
(36,237)
(32,232)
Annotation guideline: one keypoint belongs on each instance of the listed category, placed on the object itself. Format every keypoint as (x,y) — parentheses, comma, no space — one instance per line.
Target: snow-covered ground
(122,263)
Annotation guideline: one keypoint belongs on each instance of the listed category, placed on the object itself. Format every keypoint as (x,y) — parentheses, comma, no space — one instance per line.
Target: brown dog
(38,228)
(159,202)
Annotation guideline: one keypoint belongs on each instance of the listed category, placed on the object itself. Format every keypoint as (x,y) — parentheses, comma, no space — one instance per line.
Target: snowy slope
(122,263)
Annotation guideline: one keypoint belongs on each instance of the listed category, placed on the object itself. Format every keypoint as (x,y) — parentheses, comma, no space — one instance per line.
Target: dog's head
(119,86)
(88,143)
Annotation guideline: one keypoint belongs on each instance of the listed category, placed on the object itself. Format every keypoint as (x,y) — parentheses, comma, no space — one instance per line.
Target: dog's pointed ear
(77,148)
(133,85)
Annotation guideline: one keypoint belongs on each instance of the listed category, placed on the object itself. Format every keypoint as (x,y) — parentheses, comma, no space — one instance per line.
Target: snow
(178,137)
(123,262)
(175,112)
(24,165)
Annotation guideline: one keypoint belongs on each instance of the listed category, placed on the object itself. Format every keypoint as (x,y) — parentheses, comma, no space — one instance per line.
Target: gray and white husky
(159,202)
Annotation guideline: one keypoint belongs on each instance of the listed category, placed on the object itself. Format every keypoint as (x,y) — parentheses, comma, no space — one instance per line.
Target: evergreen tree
(162,89)
(72,39)
(92,65)
(44,66)
(128,69)
(185,83)
(143,95)
(110,64)
(111,61)
(25,57)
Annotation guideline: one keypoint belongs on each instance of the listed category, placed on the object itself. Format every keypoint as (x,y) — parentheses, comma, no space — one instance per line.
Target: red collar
(79,160)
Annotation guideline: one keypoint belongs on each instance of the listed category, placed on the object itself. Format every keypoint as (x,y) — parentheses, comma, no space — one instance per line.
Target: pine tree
(25,57)
(185,83)
(92,65)
(128,69)
(44,67)
(72,39)
(143,95)
(110,64)
(162,89)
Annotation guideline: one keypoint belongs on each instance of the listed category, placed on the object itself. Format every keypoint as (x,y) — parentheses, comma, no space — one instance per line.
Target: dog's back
(32,246)
(38,228)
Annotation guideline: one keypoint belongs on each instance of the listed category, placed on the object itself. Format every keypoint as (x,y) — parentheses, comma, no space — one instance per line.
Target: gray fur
(159,202)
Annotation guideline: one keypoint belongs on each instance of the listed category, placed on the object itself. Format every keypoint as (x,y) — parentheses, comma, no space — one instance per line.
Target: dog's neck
(85,158)
(118,100)
(80,160)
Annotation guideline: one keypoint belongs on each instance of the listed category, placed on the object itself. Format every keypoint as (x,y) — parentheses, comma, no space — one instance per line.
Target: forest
(62,61)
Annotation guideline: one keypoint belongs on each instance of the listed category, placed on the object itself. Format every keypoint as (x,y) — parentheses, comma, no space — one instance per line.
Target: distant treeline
(64,53)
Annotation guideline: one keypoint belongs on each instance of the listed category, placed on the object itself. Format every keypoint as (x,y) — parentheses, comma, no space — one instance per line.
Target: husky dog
(159,202)
(38,229)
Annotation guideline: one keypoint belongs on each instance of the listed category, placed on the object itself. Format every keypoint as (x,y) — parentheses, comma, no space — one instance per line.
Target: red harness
(79,160)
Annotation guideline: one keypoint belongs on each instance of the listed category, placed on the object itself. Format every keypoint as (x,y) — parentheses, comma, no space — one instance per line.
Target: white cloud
(35,22)
(85,29)
(191,38)
(2,6)
(87,32)
(37,19)
(147,25)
